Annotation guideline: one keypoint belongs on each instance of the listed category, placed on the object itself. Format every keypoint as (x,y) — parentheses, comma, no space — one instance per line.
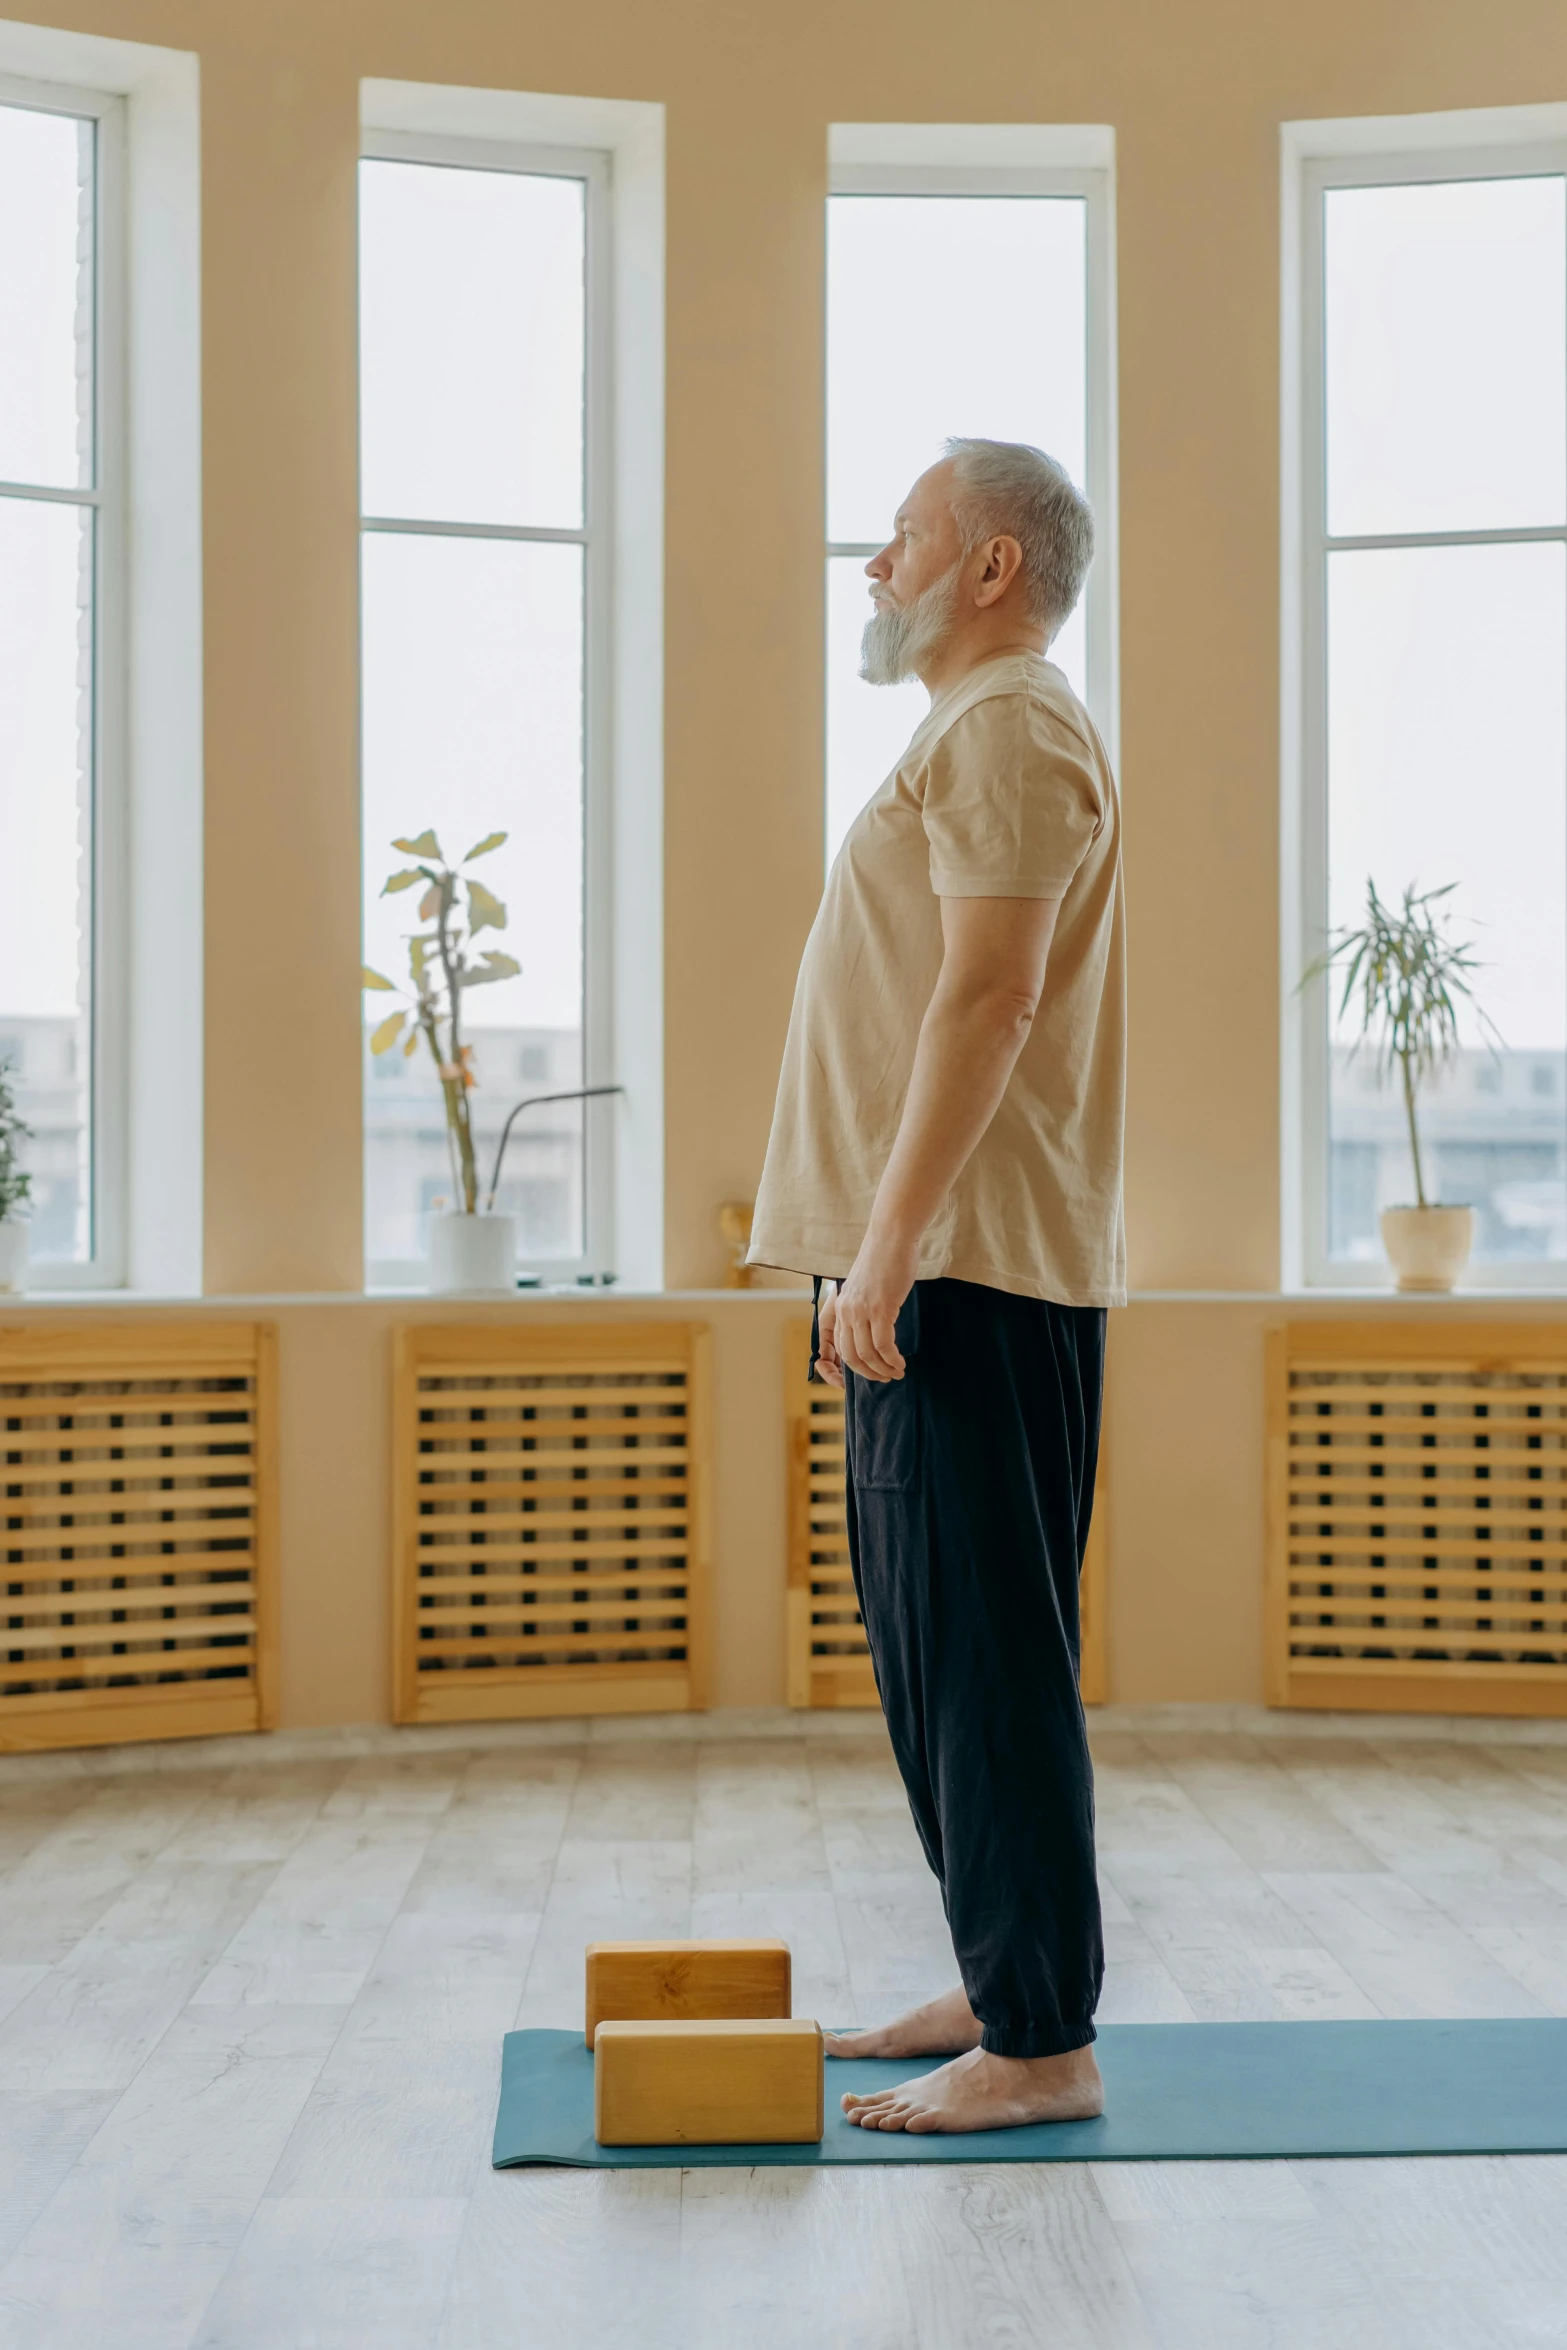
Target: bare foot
(979,2091)
(942,2027)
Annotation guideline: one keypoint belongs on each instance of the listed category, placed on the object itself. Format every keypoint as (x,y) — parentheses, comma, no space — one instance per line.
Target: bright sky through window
(1007,278)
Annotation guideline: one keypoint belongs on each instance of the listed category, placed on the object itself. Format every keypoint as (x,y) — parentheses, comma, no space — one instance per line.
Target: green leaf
(484,911)
(430,903)
(501,966)
(412,1046)
(494,967)
(369,978)
(404,880)
(425,846)
(383,1038)
(491,840)
(419,954)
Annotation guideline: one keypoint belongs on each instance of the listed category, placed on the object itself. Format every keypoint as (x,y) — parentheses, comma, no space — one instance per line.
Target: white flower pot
(474,1255)
(1428,1247)
(13,1253)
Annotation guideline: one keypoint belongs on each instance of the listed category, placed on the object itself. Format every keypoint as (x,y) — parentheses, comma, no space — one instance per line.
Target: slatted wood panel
(138,1486)
(828,1660)
(1417,1518)
(551,1520)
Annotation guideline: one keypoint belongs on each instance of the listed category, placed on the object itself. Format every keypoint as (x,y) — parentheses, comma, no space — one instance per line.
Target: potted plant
(15,1187)
(471,1247)
(1409,975)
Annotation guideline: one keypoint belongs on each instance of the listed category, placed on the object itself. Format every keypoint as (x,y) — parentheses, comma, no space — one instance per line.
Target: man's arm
(975,1026)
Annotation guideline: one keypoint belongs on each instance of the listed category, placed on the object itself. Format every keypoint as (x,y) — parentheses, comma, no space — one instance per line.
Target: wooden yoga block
(675,1981)
(729,2081)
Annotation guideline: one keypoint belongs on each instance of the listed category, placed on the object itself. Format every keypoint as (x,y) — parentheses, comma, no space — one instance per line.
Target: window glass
(1445,354)
(1447,758)
(46,298)
(474,677)
(472,351)
(47,649)
(1009,363)
(1446,683)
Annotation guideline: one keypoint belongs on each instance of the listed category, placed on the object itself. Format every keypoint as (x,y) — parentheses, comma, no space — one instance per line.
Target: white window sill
(568,1293)
(23,1300)
(1361,1295)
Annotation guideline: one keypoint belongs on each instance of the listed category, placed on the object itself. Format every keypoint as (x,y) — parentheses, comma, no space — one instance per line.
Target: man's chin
(884,654)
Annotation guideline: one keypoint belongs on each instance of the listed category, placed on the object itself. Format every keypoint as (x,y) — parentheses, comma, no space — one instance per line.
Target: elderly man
(946,1160)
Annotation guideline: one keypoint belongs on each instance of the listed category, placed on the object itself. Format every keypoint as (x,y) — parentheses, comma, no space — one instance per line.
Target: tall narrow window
(1435,539)
(60,660)
(482,464)
(1019,264)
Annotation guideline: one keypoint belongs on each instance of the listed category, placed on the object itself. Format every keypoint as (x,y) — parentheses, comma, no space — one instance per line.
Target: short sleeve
(1012,804)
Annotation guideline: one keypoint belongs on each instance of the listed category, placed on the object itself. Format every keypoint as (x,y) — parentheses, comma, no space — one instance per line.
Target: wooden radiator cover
(1417,1518)
(138,1483)
(551,1520)
(828,1660)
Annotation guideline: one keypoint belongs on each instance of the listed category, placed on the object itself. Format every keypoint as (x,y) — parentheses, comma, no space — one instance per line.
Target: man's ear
(1003,562)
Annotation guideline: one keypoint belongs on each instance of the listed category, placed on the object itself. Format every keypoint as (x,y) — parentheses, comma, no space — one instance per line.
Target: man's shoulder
(1023,697)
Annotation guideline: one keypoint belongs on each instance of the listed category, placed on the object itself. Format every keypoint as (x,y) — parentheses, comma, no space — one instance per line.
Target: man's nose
(880,566)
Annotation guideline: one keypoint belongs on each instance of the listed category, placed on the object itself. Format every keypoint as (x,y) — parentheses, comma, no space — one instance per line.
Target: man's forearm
(968,1048)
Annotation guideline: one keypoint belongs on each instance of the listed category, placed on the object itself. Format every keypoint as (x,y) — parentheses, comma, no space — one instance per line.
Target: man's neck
(949,663)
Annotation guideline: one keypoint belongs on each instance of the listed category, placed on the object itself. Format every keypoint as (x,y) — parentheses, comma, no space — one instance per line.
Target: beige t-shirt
(1005,791)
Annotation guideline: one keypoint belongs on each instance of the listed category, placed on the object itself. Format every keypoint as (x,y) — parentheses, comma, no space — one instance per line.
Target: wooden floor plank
(768,2258)
(77,1870)
(986,2251)
(137,2238)
(338,2274)
(407,2095)
(313,1939)
(569,2260)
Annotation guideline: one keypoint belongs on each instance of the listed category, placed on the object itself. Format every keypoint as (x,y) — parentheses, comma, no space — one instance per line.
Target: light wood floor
(252,2019)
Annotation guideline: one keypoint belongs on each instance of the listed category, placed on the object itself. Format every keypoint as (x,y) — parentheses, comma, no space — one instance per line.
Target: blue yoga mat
(1174,2093)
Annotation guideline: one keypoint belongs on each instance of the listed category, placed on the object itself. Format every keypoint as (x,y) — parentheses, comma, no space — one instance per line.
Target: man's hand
(829,1364)
(865,1309)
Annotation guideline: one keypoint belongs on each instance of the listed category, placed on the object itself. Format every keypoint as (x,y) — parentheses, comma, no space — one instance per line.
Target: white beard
(895,643)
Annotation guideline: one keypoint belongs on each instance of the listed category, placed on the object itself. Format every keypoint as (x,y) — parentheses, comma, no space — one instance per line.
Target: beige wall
(1195,95)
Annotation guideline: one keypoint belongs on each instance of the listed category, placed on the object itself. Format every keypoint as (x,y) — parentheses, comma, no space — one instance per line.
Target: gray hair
(1007,489)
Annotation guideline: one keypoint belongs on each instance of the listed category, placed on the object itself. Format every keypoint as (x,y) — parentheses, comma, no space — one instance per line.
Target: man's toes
(870,2113)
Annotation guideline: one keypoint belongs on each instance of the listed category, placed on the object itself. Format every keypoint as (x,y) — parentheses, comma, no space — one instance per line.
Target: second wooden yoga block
(670,1981)
(726,2082)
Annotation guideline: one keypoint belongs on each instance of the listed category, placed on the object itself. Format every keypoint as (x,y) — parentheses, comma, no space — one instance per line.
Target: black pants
(970,1484)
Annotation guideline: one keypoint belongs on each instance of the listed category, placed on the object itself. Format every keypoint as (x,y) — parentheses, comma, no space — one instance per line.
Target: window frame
(107,1103)
(1307,545)
(593,166)
(1094,185)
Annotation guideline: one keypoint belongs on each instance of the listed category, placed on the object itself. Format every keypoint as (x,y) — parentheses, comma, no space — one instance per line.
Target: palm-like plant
(1410,976)
(15,1182)
(442,965)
